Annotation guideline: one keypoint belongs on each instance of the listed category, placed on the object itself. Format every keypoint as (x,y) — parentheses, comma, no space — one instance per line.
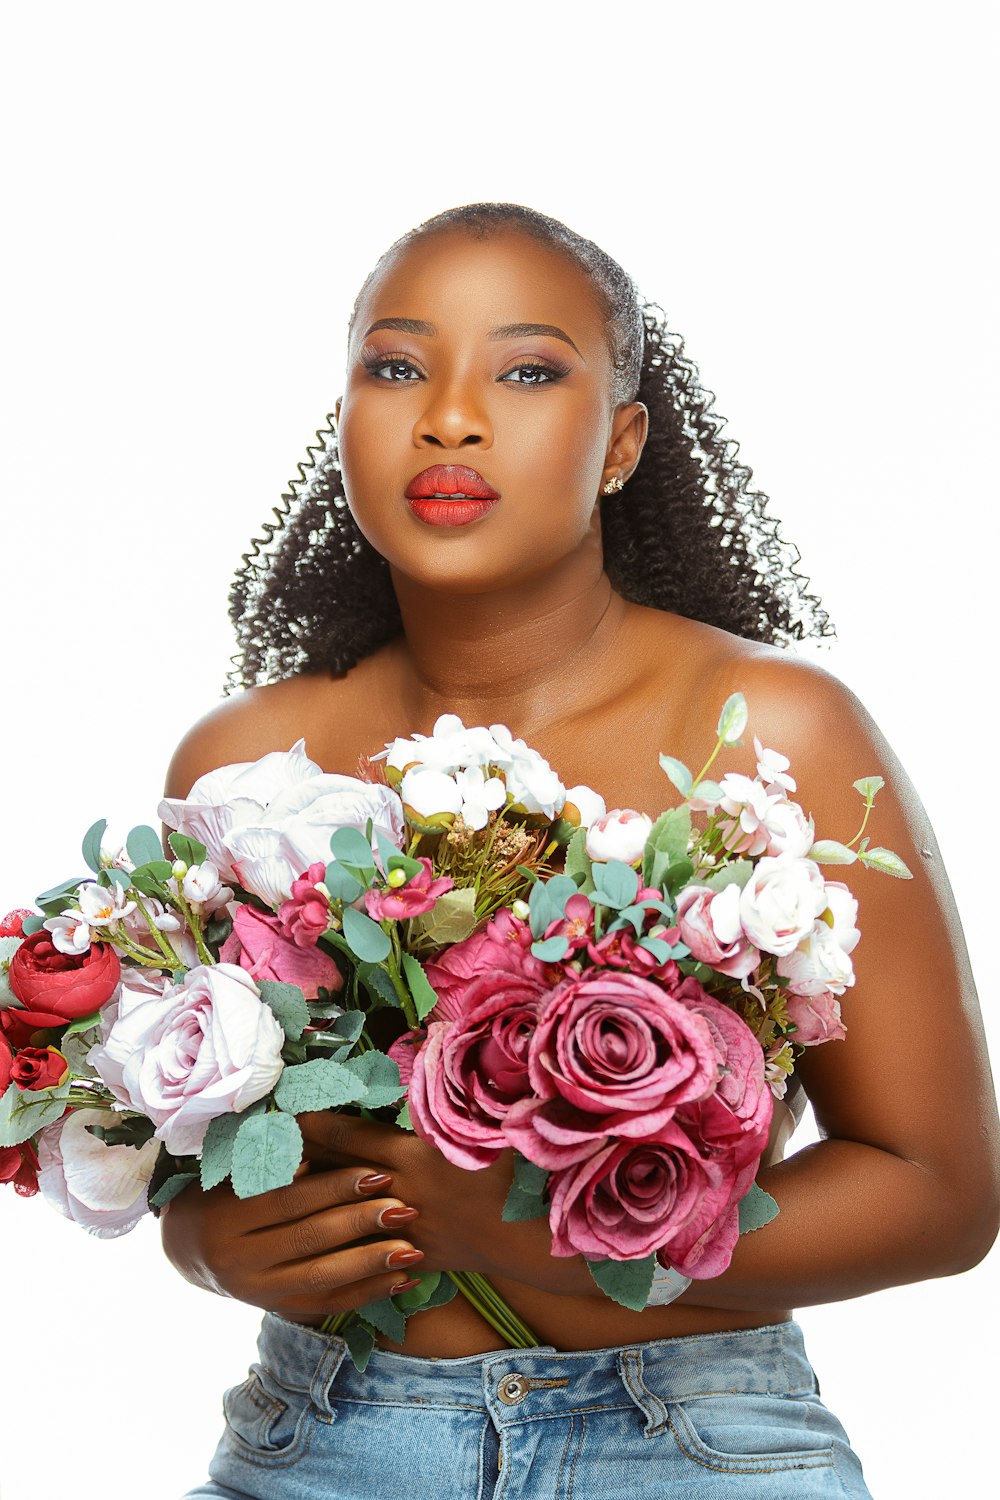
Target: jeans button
(513,1388)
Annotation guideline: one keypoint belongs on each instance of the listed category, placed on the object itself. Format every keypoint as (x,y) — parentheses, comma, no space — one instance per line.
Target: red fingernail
(404,1258)
(403,1286)
(390,1218)
(373,1180)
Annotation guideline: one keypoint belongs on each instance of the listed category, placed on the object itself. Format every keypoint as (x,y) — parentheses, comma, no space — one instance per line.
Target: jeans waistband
(516,1383)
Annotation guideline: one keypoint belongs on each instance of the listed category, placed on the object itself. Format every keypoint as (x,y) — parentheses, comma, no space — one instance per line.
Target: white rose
(449,747)
(781,901)
(102,1188)
(818,964)
(589,804)
(621,834)
(206,1047)
(430,794)
(233,796)
(788,830)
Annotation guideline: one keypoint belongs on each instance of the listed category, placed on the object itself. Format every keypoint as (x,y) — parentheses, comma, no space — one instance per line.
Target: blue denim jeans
(733,1415)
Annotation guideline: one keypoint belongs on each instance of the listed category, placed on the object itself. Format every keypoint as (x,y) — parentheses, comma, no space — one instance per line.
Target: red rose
(56,988)
(6,1063)
(13,923)
(38,1068)
(19,1165)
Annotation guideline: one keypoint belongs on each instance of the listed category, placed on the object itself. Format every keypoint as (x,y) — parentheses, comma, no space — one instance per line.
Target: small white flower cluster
(475,771)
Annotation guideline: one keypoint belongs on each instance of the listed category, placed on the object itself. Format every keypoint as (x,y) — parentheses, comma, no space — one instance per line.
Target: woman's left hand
(460,1227)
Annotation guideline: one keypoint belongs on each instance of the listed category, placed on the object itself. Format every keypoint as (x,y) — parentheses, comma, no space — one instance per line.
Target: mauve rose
(38,1068)
(736,1116)
(625,1200)
(470,1071)
(709,923)
(102,1188)
(623,1050)
(56,988)
(817,1018)
(418,896)
(404,1052)
(305,916)
(258,944)
(503,946)
(19,1167)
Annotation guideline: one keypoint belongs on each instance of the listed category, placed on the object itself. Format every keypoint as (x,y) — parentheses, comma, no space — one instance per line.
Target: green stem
(157,936)
(399,985)
(864,824)
(194,922)
(701,774)
(483,1296)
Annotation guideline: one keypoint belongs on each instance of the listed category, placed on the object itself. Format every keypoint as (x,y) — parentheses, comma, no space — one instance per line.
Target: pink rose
(305,916)
(503,946)
(258,944)
(709,923)
(417,896)
(817,1019)
(470,1071)
(623,1050)
(404,1052)
(19,1167)
(736,1117)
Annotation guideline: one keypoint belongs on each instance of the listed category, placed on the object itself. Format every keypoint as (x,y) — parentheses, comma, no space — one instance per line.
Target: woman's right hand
(303,1251)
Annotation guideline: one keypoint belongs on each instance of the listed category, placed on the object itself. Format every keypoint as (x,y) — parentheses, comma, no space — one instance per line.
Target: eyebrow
(506,331)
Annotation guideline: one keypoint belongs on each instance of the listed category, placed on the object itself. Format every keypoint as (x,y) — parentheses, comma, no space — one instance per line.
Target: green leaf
(217,1151)
(380,1076)
(657,947)
(451,919)
(134,1130)
(289,1006)
(677,876)
(360,1341)
(62,895)
(403,1121)
(170,1189)
(386,1317)
(190,850)
(547,902)
(158,869)
(615,884)
(526,1198)
(267,1150)
(24,1112)
(869,787)
(423,992)
(887,862)
(830,852)
(578,861)
(394,859)
(83,1024)
(341,884)
(626,1282)
(114,876)
(678,773)
(323,1083)
(442,1294)
(349,847)
(733,719)
(378,984)
(668,839)
(366,938)
(143,845)
(708,791)
(92,844)
(29,926)
(418,1296)
(737,872)
(550,950)
(348,1026)
(756,1209)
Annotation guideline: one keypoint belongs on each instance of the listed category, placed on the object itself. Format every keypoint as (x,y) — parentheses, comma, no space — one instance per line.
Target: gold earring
(614,485)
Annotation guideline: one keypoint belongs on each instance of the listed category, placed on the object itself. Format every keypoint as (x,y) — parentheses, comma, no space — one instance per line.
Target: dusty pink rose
(404,1051)
(305,916)
(622,1050)
(737,1115)
(709,923)
(258,945)
(417,896)
(817,1019)
(503,946)
(470,1071)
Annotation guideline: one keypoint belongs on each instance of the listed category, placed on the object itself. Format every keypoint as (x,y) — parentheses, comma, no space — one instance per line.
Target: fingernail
(403,1286)
(372,1181)
(390,1218)
(404,1258)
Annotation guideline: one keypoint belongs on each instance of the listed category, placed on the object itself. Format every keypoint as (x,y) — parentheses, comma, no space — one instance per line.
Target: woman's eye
(395,371)
(532,374)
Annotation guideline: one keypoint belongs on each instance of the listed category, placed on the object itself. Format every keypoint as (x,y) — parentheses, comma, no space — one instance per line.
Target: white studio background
(193,196)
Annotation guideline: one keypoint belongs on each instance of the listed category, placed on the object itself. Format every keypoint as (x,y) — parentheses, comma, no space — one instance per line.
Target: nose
(453,417)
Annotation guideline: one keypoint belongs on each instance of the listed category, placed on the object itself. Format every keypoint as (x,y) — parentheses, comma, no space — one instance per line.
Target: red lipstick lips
(450,495)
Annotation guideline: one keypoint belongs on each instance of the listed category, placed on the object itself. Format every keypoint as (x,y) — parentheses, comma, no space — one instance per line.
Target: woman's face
(487,356)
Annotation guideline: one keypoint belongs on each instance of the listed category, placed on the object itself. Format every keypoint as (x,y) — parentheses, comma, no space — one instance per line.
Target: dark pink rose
(630,1198)
(502,946)
(404,1051)
(742,1105)
(19,1166)
(817,1018)
(305,916)
(622,1050)
(417,896)
(709,923)
(258,944)
(470,1071)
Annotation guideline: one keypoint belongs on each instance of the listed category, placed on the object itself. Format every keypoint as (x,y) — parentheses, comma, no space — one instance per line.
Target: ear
(629,426)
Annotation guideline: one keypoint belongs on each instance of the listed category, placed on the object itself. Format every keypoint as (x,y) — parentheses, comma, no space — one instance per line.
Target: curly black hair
(689,535)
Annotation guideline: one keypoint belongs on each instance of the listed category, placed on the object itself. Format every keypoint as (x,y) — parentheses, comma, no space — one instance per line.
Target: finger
(324,1279)
(347,1136)
(311,1193)
(329,1230)
(348,1298)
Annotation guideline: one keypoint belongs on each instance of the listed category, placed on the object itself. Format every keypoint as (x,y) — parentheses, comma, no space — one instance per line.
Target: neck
(507,655)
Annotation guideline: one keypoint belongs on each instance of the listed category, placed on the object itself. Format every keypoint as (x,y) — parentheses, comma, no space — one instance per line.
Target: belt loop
(652,1408)
(325,1374)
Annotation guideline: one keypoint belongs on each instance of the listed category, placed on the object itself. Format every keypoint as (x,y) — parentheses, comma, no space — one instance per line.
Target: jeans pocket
(753,1434)
(266,1423)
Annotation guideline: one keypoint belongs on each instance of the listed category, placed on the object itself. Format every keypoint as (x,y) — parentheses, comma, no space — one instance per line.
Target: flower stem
(485,1298)
(165,948)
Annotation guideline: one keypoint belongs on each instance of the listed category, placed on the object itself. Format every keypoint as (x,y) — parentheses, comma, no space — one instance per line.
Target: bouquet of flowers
(616,998)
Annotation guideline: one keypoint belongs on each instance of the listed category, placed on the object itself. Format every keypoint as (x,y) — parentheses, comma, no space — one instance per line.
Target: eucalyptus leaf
(61,895)
(83,1024)
(615,884)
(366,938)
(29,927)
(143,845)
(288,1004)
(349,847)
(267,1150)
(869,787)
(626,1282)
(887,862)
(341,884)
(380,1076)
(733,719)
(550,950)
(830,852)
(423,992)
(322,1083)
(678,773)
(121,878)
(91,849)
(657,947)
(526,1198)
(190,850)
(394,859)
(756,1208)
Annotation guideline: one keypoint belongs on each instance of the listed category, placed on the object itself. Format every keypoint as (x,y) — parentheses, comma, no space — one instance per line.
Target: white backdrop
(193,196)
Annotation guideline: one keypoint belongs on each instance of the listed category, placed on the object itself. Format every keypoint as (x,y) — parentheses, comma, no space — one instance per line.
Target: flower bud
(178,869)
(521,910)
(396,878)
(323,889)
(621,834)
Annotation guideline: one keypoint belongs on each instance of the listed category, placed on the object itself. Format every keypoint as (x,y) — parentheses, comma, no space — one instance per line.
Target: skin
(513,619)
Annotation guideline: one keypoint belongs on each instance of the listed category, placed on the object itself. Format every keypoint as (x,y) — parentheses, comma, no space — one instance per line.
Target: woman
(605,583)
